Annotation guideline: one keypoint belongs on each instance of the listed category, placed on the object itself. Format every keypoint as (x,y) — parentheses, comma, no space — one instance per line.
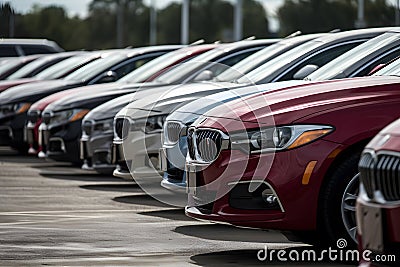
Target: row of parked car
(257,133)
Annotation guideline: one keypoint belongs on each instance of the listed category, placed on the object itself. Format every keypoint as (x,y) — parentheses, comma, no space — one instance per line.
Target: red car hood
(388,139)
(285,106)
(4,85)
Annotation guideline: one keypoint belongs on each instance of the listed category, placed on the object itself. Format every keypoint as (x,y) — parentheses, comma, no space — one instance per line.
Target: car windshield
(153,67)
(58,70)
(249,63)
(8,64)
(393,69)
(180,71)
(95,68)
(278,62)
(336,67)
(28,68)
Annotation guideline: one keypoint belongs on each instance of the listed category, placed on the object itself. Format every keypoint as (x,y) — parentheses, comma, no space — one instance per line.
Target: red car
(288,159)
(378,204)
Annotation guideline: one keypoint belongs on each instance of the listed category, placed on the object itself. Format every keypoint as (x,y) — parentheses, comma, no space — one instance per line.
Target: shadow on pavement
(172,214)
(141,199)
(78,177)
(249,258)
(231,233)
(127,187)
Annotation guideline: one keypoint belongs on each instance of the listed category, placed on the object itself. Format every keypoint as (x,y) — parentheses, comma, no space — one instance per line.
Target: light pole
(238,20)
(185,22)
(153,23)
(360,23)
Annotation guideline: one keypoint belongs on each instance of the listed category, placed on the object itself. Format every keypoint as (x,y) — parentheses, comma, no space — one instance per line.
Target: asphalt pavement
(54,214)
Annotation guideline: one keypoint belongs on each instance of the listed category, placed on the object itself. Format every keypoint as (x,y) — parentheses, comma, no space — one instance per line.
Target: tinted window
(383,60)
(335,68)
(131,65)
(225,64)
(320,59)
(36,49)
(64,67)
(8,51)
(95,68)
(155,66)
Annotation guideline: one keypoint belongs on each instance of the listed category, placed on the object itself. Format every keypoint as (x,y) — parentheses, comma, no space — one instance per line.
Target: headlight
(104,125)
(149,124)
(285,137)
(69,115)
(16,108)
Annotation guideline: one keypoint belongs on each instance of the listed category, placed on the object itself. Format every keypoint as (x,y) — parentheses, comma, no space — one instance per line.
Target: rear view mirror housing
(205,75)
(305,71)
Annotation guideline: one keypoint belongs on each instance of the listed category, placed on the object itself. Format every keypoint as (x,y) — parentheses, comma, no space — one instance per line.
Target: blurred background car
(145,73)
(9,65)
(34,68)
(109,67)
(24,47)
(378,202)
(96,143)
(66,147)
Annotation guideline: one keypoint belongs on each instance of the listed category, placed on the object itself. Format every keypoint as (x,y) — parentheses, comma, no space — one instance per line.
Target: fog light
(269,198)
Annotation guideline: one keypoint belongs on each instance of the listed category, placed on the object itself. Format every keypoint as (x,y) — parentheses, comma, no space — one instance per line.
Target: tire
(331,220)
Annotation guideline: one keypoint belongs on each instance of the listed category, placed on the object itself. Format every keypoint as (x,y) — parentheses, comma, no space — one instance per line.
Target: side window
(383,60)
(320,59)
(224,64)
(8,51)
(35,49)
(131,65)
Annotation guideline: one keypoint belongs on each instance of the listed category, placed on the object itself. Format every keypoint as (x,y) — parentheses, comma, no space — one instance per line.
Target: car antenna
(296,33)
(200,41)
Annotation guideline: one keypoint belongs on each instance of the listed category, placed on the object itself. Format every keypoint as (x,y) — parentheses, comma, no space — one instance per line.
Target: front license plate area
(372,228)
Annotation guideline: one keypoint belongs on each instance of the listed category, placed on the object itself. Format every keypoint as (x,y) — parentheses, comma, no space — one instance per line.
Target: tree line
(211,20)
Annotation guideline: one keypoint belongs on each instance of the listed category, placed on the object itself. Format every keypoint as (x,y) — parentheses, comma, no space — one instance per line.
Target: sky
(79,7)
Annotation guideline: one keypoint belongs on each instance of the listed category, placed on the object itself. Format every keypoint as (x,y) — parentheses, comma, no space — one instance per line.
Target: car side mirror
(376,68)
(205,75)
(109,76)
(305,71)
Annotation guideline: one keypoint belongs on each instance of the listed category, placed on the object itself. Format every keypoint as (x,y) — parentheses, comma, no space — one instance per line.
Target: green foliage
(324,15)
(211,20)
(5,12)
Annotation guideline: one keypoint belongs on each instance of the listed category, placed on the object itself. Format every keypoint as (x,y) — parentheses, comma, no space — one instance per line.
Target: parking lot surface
(54,214)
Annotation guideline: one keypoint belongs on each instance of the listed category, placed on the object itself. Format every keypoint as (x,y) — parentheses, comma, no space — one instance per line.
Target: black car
(9,65)
(62,136)
(110,66)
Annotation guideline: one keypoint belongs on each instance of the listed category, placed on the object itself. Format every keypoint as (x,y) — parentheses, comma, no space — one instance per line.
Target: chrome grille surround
(205,145)
(172,131)
(33,116)
(121,127)
(47,116)
(87,127)
(380,175)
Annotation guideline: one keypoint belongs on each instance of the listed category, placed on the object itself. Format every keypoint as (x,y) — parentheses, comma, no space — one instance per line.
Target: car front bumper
(95,151)
(298,201)
(62,141)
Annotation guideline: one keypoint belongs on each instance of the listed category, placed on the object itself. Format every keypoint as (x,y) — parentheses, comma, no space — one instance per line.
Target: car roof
(359,33)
